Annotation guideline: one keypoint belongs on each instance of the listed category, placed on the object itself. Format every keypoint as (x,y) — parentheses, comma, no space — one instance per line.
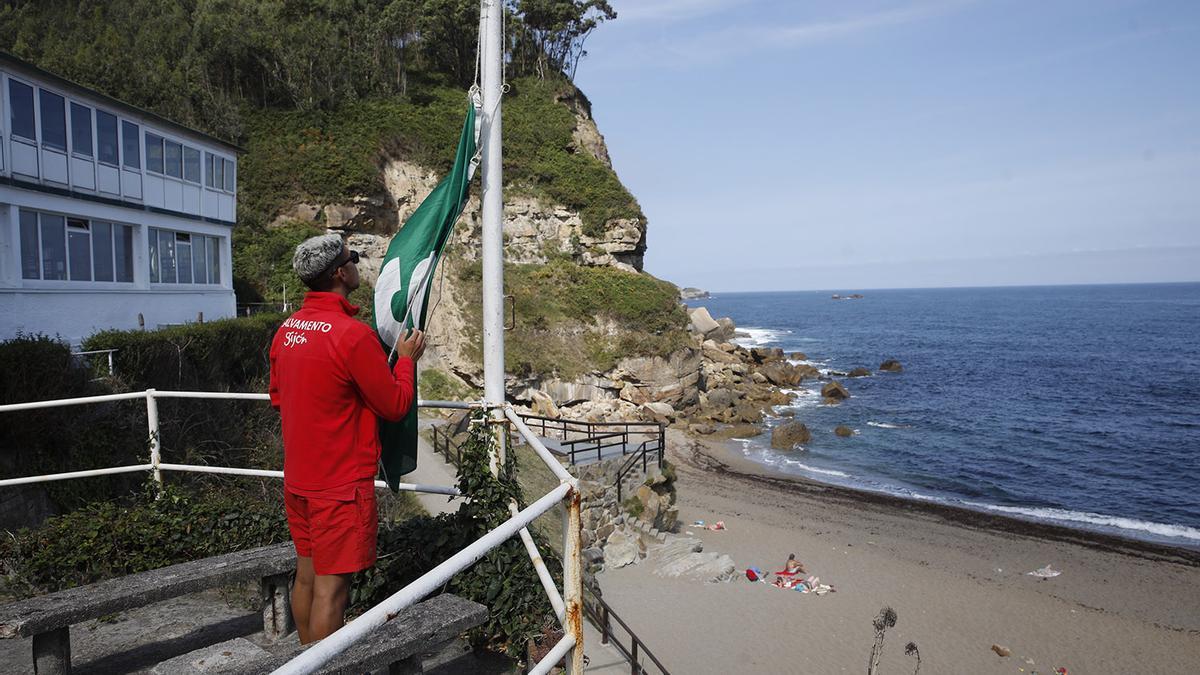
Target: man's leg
(302,598)
(330,597)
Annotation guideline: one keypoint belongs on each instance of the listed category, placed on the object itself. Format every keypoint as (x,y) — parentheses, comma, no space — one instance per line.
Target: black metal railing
(579,438)
(444,444)
(602,617)
(651,447)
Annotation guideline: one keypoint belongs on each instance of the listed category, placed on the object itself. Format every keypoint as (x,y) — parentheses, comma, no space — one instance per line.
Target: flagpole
(492,55)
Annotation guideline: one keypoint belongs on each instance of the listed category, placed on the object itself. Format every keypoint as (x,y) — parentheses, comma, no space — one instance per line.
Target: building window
(154,152)
(31,259)
(191,164)
(173,155)
(54,120)
(81,130)
(79,249)
(106,134)
(20,103)
(219,173)
(184,258)
(131,145)
(56,248)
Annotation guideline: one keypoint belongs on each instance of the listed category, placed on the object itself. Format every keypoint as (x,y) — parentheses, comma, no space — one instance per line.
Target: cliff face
(538,231)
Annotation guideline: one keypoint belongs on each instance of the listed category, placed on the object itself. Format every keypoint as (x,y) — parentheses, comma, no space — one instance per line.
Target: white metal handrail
(568,605)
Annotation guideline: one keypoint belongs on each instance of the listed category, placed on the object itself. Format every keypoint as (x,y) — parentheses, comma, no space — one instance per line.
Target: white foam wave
(757,337)
(888,425)
(777,460)
(1119,522)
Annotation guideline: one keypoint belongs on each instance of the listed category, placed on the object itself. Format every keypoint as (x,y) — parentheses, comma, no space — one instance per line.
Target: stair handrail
(600,619)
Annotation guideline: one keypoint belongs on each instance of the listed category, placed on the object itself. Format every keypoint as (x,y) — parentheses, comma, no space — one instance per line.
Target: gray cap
(315,255)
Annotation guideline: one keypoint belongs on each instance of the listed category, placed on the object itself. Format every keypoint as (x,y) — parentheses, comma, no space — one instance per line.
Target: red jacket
(330,382)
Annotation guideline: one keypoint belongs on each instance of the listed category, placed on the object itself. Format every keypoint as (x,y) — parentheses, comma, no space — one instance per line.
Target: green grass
(565,312)
(325,157)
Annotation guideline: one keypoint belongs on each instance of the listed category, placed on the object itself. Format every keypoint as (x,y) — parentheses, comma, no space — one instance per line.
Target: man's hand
(412,346)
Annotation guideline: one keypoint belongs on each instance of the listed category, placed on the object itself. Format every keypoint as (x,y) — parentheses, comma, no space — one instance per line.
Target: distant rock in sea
(692,293)
(891,366)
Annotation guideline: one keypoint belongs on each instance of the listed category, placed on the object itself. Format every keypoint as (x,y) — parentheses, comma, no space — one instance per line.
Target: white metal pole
(155,444)
(492,54)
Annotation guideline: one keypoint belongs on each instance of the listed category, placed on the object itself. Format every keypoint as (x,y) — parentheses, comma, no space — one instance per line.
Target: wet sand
(957,580)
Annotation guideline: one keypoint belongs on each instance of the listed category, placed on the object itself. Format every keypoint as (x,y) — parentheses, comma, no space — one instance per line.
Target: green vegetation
(504,579)
(566,315)
(435,385)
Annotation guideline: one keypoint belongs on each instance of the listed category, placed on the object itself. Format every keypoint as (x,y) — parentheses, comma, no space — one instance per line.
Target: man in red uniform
(331,382)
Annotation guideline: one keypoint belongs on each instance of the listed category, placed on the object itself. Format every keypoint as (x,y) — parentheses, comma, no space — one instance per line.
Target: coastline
(723,457)
(958,580)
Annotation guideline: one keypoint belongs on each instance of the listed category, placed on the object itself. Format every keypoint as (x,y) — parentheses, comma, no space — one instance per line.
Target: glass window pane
(166,256)
(106,136)
(214,260)
(31,267)
(228,176)
(79,248)
(208,169)
(219,175)
(54,119)
(20,101)
(174,159)
(131,145)
(123,252)
(191,164)
(54,247)
(102,251)
(183,257)
(81,129)
(200,259)
(153,239)
(154,153)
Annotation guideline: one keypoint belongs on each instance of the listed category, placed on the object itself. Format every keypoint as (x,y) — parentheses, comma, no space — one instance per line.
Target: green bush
(112,539)
(564,314)
(504,579)
(262,263)
(55,440)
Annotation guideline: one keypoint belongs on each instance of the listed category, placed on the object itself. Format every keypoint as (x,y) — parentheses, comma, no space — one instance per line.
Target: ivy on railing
(504,579)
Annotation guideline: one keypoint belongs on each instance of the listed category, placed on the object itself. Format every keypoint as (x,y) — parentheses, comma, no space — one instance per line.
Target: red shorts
(337,533)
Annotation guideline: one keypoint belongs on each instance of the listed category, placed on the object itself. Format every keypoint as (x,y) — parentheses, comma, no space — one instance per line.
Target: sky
(785,145)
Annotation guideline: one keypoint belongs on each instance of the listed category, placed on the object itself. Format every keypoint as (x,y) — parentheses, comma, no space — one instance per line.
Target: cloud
(819,31)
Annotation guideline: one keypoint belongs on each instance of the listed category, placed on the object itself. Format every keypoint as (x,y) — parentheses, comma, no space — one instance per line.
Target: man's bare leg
(330,597)
(302,597)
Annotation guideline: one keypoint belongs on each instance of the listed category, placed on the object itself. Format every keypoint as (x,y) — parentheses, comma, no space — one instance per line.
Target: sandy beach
(957,580)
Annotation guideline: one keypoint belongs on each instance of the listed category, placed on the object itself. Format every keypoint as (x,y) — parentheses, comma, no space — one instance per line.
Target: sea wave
(777,460)
(757,337)
(888,425)
(1118,522)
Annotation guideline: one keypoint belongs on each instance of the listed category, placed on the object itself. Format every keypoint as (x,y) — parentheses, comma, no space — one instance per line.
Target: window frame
(116,138)
(33,110)
(41,117)
(68,227)
(90,153)
(137,156)
(201,244)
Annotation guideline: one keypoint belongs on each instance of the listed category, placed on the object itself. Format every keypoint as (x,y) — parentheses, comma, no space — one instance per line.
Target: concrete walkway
(432,469)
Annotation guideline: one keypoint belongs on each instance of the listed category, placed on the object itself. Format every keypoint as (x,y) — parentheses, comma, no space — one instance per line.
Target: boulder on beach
(765,354)
(891,366)
(834,390)
(798,356)
(725,330)
(702,322)
(659,412)
(788,436)
(843,431)
(859,372)
(781,373)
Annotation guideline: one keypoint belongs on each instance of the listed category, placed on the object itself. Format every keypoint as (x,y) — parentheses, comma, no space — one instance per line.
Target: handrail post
(633,662)
(604,628)
(155,442)
(573,579)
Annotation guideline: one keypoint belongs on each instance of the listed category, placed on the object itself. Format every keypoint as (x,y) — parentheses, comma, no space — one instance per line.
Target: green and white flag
(402,291)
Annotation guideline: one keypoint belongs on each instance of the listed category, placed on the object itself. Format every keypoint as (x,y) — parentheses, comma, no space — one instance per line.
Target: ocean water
(1074,405)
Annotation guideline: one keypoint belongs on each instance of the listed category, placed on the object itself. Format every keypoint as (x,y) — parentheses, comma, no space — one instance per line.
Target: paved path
(433,470)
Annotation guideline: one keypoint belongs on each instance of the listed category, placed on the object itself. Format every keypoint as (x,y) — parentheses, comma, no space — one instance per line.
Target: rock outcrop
(891,366)
(788,436)
(834,392)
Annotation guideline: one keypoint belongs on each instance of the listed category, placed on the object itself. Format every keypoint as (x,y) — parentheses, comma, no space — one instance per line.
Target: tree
(554,32)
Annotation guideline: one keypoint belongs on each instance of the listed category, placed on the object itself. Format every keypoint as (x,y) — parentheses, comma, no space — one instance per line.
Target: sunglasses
(335,265)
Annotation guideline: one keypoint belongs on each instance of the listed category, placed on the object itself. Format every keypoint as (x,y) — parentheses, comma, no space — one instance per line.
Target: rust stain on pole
(573,581)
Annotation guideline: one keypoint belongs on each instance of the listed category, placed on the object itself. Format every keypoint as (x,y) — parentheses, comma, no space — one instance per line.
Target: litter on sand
(1046,572)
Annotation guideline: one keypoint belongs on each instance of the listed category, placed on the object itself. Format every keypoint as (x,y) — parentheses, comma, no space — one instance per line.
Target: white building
(110,216)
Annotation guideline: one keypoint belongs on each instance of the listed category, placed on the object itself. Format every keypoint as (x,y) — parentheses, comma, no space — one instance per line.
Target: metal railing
(593,435)
(652,446)
(567,604)
(111,370)
(602,617)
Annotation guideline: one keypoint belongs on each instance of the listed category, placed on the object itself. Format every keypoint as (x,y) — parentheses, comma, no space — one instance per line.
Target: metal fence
(567,604)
